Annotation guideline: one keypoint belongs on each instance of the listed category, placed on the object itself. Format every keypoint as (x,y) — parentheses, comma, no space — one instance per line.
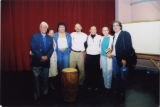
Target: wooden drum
(69,81)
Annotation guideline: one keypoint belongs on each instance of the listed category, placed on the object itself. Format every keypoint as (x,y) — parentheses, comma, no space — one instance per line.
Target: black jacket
(124,49)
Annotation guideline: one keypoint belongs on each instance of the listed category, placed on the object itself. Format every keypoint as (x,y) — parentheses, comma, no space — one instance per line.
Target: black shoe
(108,91)
(36,100)
(122,95)
(95,89)
(36,97)
(89,89)
(116,92)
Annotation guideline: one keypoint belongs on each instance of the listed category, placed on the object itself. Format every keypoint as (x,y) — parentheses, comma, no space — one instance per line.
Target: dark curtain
(21,18)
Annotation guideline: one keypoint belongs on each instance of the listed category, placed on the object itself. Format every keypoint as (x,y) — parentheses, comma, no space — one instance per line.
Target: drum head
(69,70)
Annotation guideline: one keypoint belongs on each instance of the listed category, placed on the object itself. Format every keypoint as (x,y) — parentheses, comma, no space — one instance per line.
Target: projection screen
(145,36)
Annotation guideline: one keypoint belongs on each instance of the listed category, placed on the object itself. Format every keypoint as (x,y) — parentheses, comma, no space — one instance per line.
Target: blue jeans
(120,76)
(106,65)
(62,59)
(40,73)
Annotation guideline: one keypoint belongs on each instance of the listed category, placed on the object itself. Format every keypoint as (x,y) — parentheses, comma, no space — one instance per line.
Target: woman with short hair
(63,46)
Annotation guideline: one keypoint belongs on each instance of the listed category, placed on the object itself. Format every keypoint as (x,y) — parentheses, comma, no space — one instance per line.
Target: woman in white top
(93,60)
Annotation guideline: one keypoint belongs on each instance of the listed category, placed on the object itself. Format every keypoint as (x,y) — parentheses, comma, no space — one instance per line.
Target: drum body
(69,81)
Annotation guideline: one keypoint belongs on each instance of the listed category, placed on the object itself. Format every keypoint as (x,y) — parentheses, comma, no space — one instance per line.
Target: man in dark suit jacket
(124,56)
(42,48)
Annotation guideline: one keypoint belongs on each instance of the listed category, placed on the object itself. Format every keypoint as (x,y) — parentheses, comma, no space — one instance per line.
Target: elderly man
(42,48)
(76,56)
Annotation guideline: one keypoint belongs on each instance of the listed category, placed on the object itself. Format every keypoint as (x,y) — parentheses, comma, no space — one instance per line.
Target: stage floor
(143,91)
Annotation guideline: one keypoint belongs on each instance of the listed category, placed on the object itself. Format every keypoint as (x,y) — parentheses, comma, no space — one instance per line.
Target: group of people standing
(51,52)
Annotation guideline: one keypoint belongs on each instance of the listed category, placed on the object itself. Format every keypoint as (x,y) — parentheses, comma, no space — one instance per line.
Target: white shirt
(62,43)
(114,42)
(54,45)
(43,35)
(94,45)
(78,40)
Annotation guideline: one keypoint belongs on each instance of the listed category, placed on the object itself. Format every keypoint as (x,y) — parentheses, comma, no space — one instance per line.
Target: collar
(94,36)
(78,32)
(43,35)
(108,36)
(116,34)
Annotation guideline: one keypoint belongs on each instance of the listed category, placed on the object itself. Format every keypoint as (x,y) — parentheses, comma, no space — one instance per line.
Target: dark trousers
(40,81)
(92,68)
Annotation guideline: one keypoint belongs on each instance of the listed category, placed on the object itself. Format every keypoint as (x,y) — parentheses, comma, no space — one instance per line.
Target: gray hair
(44,23)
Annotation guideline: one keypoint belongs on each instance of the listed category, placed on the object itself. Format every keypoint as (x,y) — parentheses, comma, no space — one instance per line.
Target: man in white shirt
(93,59)
(77,51)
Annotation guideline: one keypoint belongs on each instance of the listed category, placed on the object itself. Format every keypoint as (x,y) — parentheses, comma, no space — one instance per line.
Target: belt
(77,51)
(62,49)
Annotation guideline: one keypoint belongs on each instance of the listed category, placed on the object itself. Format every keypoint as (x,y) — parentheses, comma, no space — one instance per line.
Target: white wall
(123,10)
(137,10)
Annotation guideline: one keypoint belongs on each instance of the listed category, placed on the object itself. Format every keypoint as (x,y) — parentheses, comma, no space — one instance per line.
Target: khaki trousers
(77,60)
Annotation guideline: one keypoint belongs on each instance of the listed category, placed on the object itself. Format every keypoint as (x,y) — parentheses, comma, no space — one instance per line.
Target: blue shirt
(104,45)
(44,41)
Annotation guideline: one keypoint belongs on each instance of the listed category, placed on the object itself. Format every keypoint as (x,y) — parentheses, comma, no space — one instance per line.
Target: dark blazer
(37,47)
(124,49)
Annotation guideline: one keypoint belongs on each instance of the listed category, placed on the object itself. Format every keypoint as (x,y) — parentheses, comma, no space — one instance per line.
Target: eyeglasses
(115,25)
(105,30)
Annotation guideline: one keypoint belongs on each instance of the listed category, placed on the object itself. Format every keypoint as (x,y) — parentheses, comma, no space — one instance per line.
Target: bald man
(76,56)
